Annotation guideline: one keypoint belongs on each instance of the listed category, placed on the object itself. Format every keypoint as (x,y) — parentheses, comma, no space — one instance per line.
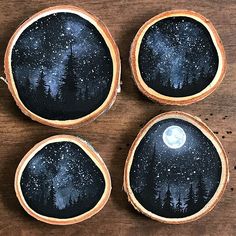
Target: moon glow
(174,137)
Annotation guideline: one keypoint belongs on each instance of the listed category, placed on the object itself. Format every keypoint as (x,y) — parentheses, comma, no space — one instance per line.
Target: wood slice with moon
(177,58)
(63,67)
(176,170)
(62,180)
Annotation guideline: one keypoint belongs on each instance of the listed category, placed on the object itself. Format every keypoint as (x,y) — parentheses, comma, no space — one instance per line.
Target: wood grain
(112,133)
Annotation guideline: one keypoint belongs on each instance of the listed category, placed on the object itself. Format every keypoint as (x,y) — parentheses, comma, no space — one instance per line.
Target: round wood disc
(176,170)
(63,67)
(62,180)
(177,58)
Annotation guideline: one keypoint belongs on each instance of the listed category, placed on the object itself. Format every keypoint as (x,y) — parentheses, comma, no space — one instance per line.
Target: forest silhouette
(45,203)
(65,182)
(186,88)
(77,95)
(195,199)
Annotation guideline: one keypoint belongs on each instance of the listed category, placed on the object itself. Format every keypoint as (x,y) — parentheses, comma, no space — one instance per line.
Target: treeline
(47,205)
(75,93)
(186,88)
(193,201)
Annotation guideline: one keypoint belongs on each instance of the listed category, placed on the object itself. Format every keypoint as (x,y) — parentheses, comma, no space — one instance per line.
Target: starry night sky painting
(62,181)
(62,67)
(176,169)
(177,57)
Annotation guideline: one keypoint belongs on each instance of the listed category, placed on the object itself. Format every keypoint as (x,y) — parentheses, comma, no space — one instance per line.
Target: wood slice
(177,58)
(62,180)
(63,67)
(176,170)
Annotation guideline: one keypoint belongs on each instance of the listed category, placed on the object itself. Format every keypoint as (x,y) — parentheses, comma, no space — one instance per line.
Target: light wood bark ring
(177,58)
(62,180)
(176,170)
(63,67)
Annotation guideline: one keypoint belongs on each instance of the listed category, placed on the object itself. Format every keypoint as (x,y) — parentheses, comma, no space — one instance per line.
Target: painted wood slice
(62,180)
(177,58)
(176,170)
(63,67)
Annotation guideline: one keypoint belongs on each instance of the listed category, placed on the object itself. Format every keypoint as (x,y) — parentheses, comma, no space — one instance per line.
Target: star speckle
(46,46)
(62,181)
(177,57)
(155,164)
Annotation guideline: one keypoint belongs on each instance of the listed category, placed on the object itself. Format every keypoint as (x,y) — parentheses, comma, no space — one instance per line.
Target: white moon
(174,137)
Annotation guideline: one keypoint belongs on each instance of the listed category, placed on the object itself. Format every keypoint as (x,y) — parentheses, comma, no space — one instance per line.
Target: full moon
(174,137)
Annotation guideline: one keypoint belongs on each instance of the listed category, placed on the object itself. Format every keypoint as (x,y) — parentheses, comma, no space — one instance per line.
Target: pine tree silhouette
(58,97)
(50,101)
(151,184)
(169,85)
(41,89)
(159,202)
(71,202)
(201,193)
(49,93)
(190,201)
(41,199)
(27,88)
(210,193)
(179,206)
(26,92)
(51,197)
(168,203)
(68,88)
(185,82)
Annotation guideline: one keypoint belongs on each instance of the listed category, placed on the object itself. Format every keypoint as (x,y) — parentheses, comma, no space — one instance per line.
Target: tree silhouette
(27,88)
(159,202)
(190,201)
(51,197)
(211,193)
(81,88)
(49,101)
(70,201)
(168,203)
(26,92)
(41,199)
(49,93)
(179,206)
(68,88)
(201,193)
(58,97)
(168,83)
(151,183)
(41,88)
(185,82)
(192,81)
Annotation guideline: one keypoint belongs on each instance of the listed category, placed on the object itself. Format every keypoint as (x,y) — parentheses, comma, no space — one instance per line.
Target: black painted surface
(61,181)
(62,67)
(175,182)
(177,57)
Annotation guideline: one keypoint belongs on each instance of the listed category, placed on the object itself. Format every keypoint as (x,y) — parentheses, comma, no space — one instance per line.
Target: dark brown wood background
(113,133)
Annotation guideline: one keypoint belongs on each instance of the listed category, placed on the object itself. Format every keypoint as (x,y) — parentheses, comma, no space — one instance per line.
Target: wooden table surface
(113,133)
